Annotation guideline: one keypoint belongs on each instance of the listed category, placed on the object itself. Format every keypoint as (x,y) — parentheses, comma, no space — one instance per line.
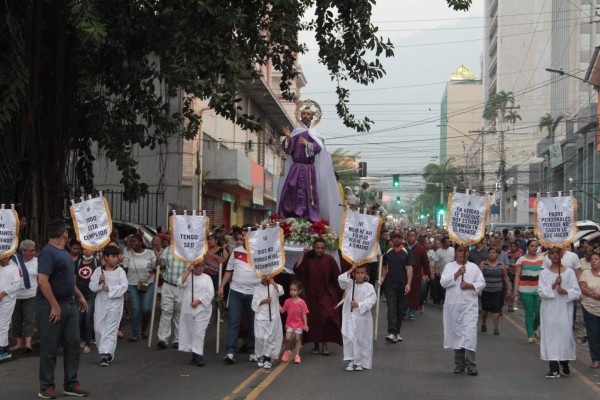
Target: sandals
(595,365)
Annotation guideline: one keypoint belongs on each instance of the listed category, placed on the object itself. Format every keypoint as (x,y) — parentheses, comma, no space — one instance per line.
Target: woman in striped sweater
(527,271)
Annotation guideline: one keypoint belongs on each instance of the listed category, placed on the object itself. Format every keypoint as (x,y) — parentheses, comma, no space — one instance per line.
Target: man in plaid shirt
(170,300)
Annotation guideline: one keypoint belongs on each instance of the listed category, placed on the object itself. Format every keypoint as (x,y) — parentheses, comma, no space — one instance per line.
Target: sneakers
(530,340)
(566,371)
(398,338)
(537,334)
(252,358)
(104,362)
(483,328)
(358,367)
(261,362)
(175,345)
(86,349)
(161,344)
(267,365)
(286,356)
(297,360)
(229,359)
(459,370)
(200,360)
(472,372)
(110,358)
(391,338)
(350,366)
(47,393)
(552,375)
(5,355)
(76,391)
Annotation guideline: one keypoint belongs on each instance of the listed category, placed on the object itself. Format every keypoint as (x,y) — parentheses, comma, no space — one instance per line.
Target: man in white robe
(558,294)
(357,320)
(110,285)
(196,309)
(10,283)
(463,281)
(268,332)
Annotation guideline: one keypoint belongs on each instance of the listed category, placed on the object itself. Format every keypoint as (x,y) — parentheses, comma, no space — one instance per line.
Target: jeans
(464,358)
(238,302)
(592,326)
(531,304)
(141,308)
(424,291)
(396,303)
(65,332)
(86,320)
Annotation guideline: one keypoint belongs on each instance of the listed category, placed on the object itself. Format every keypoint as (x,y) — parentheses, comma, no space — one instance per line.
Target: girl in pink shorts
(295,323)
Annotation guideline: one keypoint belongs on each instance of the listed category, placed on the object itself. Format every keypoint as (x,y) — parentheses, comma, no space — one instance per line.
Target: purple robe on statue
(299,195)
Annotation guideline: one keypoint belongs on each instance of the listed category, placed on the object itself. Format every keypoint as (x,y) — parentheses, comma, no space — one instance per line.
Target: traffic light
(362,169)
(396,180)
(398,200)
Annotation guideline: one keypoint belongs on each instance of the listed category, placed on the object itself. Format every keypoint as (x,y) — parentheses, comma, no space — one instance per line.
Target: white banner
(360,237)
(467,217)
(266,254)
(9,228)
(188,236)
(92,222)
(555,220)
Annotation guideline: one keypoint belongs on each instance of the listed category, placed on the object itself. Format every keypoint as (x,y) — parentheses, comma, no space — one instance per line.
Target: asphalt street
(417,368)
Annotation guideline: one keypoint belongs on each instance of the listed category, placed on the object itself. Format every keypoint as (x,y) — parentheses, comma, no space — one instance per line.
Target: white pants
(170,308)
(193,331)
(7,306)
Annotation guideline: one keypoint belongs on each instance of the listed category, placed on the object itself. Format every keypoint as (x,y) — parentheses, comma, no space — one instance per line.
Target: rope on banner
(467,190)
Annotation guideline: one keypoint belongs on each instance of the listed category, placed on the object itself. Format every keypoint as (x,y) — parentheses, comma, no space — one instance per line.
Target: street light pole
(562,73)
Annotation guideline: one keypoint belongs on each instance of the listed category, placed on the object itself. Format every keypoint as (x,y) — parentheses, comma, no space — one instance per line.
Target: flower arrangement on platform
(303,232)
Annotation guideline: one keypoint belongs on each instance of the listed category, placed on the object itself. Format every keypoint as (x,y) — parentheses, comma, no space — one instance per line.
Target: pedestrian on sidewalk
(463,281)
(196,309)
(296,322)
(109,285)
(57,313)
(590,288)
(527,272)
(559,290)
(494,273)
(357,319)
(267,322)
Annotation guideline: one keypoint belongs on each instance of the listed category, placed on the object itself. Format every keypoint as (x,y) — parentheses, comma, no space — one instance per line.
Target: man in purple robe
(299,197)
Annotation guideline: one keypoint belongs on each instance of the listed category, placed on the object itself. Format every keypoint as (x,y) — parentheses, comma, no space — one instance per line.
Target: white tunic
(194,321)
(461,308)
(268,333)
(10,282)
(32,267)
(357,325)
(556,315)
(108,307)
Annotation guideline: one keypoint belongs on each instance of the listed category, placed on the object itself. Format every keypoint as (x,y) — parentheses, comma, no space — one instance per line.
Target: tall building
(460,114)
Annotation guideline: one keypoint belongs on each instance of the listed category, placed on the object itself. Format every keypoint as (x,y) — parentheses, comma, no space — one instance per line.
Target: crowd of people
(76,298)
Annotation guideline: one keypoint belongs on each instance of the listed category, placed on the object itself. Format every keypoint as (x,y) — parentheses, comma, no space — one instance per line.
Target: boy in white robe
(268,332)
(463,281)
(10,283)
(357,320)
(110,285)
(558,292)
(196,309)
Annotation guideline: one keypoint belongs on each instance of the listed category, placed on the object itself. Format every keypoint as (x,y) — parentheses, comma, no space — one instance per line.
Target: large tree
(81,73)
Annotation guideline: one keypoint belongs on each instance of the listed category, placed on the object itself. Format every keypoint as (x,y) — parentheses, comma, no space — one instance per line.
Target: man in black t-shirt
(396,277)
(58,315)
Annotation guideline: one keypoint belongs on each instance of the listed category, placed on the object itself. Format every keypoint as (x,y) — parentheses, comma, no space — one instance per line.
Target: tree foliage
(345,164)
(85,73)
(438,178)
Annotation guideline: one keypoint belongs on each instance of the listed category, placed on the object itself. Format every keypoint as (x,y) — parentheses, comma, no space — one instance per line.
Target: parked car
(594,239)
(125,229)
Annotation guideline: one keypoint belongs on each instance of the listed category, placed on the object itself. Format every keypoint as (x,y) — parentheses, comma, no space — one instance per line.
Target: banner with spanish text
(266,254)
(92,222)
(468,214)
(359,238)
(555,220)
(189,234)
(9,231)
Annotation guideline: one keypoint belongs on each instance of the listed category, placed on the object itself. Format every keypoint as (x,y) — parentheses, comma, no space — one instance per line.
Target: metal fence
(145,211)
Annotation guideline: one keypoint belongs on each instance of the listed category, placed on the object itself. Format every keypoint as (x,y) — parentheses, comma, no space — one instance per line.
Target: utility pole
(502,171)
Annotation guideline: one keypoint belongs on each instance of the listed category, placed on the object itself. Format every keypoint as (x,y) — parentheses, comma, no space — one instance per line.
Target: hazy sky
(430,41)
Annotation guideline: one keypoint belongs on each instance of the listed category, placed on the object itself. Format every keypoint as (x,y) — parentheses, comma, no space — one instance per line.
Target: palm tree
(439,176)
(513,117)
(547,122)
(497,104)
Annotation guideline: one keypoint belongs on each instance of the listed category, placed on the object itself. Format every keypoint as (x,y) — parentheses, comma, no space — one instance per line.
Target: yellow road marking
(244,384)
(258,390)
(578,374)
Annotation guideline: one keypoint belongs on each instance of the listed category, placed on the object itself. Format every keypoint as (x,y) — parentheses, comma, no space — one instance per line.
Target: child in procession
(295,323)
(196,309)
(267,322)
(110,285)
(357,320)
